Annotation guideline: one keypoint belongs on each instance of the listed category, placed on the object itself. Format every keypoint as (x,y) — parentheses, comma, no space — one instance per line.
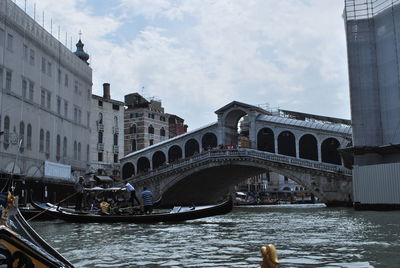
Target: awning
(103,178)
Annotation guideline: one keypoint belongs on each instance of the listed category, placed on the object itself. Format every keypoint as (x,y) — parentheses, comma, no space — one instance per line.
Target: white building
(107,137)
(44,102)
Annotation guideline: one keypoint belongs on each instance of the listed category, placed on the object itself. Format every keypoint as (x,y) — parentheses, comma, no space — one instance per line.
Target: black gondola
(177,214)
(21,246)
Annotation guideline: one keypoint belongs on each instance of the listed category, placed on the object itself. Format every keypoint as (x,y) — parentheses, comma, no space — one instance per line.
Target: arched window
(22,134)
(79,151)
(132,129)
(133,146)
(75,150)
(47,144)
(58,148)
(151,129)
(100,118)
(6,132)
(41,141)
(65,152)
(115,139)
(162,132)
(29,137)
(115,121)
(100,137)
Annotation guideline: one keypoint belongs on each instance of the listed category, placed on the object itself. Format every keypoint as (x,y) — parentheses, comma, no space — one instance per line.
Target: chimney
(106,91)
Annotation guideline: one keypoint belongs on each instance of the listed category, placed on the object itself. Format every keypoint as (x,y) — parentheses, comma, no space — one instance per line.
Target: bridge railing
(244,152)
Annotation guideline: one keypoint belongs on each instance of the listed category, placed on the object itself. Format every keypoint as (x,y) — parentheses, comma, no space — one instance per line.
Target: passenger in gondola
(130,189)
(79,193)
(147,197)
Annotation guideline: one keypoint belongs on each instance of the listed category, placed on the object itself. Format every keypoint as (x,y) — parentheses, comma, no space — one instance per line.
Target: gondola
(21,246)
(177,214)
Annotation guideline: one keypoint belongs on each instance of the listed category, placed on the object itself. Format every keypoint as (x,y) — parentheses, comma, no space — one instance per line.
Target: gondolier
(147,197)
(131,189)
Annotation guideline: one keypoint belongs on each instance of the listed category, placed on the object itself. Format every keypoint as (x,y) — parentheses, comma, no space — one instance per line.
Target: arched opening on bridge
(158,159)
(308,147)
(329,151)
(266,140)
(174,153)
(237,128)
(209,141)
(191,148)
(287,144)
(128,170)
(143,165)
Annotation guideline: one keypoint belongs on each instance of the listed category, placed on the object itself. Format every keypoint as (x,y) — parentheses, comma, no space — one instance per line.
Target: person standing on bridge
(131,189)
(147,197)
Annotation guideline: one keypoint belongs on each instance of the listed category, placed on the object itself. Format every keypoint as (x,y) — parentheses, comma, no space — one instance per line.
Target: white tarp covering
(56,170)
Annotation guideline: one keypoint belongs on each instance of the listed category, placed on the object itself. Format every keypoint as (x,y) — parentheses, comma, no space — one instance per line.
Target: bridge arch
(128,170)
(266,140)
(329,151)
(191,147)
(143,164)
(208,141)
(287,143)
(308,147)
(231,120)
(174,153)
(158,159)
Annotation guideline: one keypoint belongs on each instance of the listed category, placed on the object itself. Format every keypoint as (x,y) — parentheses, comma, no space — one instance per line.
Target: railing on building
(366,9)
(115,130)
(115,149)
(100,127)
(100,147)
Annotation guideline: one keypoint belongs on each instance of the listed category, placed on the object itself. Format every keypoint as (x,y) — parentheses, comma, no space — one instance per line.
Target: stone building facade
(107,137)
(145,123)
(44,102)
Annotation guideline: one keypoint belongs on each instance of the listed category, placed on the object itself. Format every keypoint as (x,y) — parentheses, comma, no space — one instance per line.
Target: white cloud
(198,55)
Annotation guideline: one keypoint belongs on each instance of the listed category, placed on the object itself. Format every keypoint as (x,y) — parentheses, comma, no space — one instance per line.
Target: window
(79,151)
(75,114)
(87,153)
(31,86)
(29,137)
(58,105)
(1,78)
(100,103)
(115,107)
(76,86)
(42,97)
(66,80)
(65,147)
(49,69)
(162,132)
(2,37)
(100,157)
(115,139)
(6,132)
(65,108)
(100,118)
(151,129)
(47,144)
(132,129)
(79,116)
(25,51)
(75,150)
(133,145)
(58,148)
(116,121)
(115,158)
(151,142)
(10,41)
(88,119)
(41,142)
(59,76)
(8,80)
(24,88)
(43,65)
(48,100)
(100,137)
(32,57)
(22,133)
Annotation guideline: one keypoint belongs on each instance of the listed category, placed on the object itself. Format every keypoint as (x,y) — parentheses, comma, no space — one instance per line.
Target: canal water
(304,235)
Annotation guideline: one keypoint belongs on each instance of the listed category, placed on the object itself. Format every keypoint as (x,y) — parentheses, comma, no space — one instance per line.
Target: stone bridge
(197,168)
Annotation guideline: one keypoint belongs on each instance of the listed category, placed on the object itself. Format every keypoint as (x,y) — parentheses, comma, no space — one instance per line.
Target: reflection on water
(305,236)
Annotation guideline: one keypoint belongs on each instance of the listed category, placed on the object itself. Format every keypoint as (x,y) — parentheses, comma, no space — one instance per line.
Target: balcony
(100,147)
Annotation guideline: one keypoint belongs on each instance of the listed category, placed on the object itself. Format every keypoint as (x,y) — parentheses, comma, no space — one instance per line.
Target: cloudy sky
(198,55)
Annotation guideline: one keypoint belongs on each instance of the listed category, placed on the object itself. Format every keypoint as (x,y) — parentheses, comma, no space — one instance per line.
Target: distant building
(106,140)
(45,104)
(146,123)
(176,125)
